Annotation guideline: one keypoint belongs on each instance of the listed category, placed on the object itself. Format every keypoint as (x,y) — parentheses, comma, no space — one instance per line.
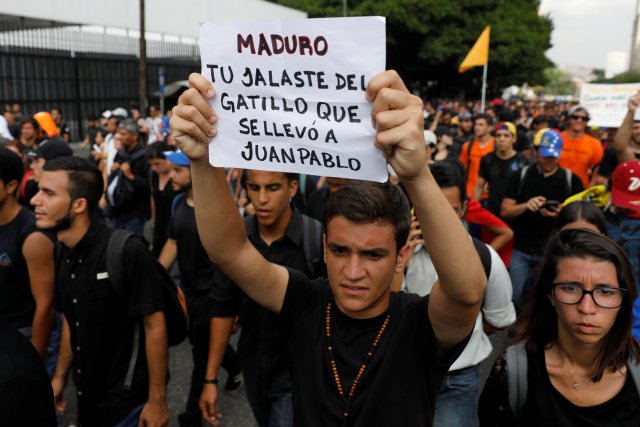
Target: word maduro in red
(276,44)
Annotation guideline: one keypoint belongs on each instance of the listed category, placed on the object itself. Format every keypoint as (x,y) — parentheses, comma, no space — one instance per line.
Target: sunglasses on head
(583,118)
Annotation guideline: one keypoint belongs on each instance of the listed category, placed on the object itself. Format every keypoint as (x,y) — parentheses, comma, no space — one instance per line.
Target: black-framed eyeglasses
(604,296)
(583,118)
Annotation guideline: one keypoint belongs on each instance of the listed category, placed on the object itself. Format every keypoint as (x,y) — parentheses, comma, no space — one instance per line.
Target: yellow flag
(479,53)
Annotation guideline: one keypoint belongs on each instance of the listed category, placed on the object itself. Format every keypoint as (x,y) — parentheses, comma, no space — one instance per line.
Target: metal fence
(85,72)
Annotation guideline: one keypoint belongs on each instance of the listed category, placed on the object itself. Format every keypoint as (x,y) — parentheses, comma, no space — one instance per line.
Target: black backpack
(311,245)
(175,310)
(120,191)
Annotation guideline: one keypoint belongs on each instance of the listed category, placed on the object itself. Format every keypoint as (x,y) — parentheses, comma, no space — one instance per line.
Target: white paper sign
(291,95)
(607,103)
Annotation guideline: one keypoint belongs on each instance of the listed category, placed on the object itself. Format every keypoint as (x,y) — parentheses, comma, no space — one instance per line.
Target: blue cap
(549,143)
(178,158)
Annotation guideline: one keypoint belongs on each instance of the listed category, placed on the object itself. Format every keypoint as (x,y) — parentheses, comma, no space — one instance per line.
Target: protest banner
(290,95)
(607,103)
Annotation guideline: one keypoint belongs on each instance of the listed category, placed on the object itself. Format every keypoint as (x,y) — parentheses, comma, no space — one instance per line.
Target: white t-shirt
(497,308)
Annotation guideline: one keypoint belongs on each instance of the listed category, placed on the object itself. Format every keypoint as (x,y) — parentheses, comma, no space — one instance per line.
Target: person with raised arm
(355,345)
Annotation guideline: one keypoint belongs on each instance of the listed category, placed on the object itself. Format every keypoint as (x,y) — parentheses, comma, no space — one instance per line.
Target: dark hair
(581,210)
(157,149)
(448,174)
(370,202)
(85,179)
(538,323)
(11,166)
(487,118)
(31,120)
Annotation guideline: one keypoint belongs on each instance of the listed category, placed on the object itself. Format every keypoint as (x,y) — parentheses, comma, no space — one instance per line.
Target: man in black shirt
(118,344)
(197,277)
(360,355)
(26,261)
(278,231)
(132,161)
(497,167)
(532,201)
(63,127)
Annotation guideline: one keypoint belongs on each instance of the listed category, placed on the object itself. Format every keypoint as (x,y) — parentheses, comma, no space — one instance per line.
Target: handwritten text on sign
(291,95)
(607,103)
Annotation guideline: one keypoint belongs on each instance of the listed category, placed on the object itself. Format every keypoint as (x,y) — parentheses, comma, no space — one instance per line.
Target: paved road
(234,407)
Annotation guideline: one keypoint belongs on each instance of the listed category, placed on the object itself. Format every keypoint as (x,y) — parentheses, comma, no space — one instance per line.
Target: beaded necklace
(363,367)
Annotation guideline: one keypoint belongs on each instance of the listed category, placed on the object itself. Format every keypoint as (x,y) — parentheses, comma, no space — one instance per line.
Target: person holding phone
(532,202)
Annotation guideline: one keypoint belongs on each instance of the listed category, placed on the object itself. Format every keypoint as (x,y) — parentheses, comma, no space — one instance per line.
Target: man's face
(27,131)
(547,164)
(112,125)
(466,125)
(55,115)
(270,193)
(504,140)
(160,166)
(334,184)
(37,165)
(635,133)
(153,112)
(361,260)
(578,121)
(452,194)
(480,127)
(53,202)
(128,140)
(180,177)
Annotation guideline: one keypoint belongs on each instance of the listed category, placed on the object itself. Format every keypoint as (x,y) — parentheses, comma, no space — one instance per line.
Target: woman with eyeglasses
(575,362)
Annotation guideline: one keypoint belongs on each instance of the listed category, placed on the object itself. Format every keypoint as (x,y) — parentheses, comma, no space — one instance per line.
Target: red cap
(625,185)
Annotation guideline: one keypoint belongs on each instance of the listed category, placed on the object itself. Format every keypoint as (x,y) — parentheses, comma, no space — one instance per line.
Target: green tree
(428,39)
(559,82)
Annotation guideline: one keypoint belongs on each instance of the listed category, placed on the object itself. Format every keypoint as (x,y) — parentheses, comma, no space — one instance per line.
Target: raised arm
(623,136)
(38,253)
(220,227)
(455,299)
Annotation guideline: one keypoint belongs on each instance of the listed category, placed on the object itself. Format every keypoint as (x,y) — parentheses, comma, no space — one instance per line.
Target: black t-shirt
(196,269)
(531,229)
(545,406)
(26,398)
(140,205)
(496,172)
(262,345)
(163,200)
(315,205)
(16,302)
(102,323)
(609,162)
(400,383)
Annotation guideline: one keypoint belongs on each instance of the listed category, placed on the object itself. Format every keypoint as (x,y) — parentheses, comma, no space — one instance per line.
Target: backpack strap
(517,377)
(523,179)
(312,244)
(633,367)
(115,269)
(177,199)
(485,255)
(568,175)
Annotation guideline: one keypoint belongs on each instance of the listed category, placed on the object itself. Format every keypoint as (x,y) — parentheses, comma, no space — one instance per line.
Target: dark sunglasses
(583,118)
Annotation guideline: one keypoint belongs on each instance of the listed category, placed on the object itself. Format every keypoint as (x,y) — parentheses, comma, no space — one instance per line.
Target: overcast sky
(585,30)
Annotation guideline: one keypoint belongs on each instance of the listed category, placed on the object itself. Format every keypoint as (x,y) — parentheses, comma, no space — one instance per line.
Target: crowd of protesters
(349,296)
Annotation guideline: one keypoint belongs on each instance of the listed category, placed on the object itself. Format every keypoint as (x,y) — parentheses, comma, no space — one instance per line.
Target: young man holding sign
(361,355)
